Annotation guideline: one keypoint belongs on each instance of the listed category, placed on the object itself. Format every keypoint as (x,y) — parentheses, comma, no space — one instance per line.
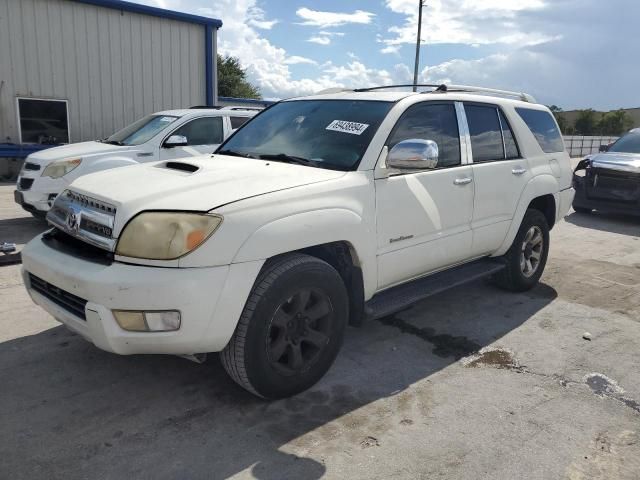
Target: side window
(202,131)
(486,133)
(509,140)
(431,121)
(544,128)
(237,122)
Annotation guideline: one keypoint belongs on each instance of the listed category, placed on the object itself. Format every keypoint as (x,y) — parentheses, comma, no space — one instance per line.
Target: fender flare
(312,228)
(538,186)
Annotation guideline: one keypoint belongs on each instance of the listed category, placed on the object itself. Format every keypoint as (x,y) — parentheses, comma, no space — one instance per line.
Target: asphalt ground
(475,383)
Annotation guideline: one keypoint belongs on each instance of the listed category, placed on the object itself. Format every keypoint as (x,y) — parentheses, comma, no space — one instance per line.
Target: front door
(499,172)
(424,217)
(203,136)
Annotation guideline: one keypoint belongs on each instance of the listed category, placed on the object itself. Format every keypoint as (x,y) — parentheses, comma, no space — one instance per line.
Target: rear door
(499,172)
(203,135)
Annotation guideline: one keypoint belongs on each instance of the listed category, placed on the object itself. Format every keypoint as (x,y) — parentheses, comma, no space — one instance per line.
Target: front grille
(31,166)
(64,243)
(71,303)
(25,183)
(86,201)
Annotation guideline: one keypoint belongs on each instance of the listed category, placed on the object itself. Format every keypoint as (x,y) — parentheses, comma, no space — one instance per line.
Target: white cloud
(320,40)
(296,60)
(330,34)
(464,21)
(321,19)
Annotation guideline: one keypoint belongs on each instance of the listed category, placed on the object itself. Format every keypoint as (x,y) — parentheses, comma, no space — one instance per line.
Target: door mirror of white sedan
(414,154)
(176,141)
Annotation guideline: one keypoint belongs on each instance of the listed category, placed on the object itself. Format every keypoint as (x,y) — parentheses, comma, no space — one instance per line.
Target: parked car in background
(610,181)
(320,212)
(167,135)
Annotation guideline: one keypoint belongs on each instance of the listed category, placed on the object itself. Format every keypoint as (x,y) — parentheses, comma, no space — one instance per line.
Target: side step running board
(398,298)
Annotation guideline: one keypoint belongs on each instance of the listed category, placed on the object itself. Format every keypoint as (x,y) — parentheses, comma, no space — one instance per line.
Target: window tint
(486,134)
(509,139)
(431,121)
(202,131)
(630,143)
(544,128)
(43,121)
(237,122)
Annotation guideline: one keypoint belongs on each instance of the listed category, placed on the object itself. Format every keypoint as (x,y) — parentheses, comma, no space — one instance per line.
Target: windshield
(630,143)
(141,131)
(330,134)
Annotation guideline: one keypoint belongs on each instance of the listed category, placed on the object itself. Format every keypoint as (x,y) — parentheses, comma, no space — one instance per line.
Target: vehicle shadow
(606,222)
(21,230)
(71,411)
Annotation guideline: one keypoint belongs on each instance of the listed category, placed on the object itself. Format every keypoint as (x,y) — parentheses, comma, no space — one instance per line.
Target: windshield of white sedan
(630,143)
(331,134)
(141,131)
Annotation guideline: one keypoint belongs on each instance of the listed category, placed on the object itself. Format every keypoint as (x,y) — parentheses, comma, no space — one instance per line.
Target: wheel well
(342,257)
(547,205)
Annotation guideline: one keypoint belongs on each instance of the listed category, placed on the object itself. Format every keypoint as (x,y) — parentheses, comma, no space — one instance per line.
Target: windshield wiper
(233,153)
(283,157)
(113,142)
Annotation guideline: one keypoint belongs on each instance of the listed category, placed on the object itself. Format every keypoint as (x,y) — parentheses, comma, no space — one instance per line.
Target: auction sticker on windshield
(343,126)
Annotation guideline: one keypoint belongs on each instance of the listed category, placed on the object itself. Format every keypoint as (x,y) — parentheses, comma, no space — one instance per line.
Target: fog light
(132,321)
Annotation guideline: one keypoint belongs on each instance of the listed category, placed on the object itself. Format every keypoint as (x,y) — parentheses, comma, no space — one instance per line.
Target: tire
(583,210)
(518,276)
(278,312)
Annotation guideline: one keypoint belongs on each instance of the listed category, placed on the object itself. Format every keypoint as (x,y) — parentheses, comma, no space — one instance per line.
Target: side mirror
(176,141)
(604,148)
(414,154)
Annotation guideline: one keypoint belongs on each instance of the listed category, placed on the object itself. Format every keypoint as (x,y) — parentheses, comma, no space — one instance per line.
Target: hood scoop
(181,167)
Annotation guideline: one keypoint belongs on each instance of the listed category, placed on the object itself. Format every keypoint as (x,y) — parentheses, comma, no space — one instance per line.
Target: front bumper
(619,195)
(39,197)
(207,321)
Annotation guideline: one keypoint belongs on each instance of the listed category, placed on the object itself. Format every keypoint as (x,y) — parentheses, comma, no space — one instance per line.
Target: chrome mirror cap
(176,141)
(414,154)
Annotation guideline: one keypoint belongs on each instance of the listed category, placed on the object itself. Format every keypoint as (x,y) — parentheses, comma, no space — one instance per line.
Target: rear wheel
(527,257)
(291,328)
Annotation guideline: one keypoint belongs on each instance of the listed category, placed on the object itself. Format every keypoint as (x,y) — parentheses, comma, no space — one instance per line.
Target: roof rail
(442,88)
(525,97)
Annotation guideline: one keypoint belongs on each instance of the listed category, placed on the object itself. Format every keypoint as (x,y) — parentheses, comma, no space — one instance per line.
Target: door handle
(462,181)
(519,171)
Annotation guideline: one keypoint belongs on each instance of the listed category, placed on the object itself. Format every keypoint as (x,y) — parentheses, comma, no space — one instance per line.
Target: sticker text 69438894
(343,126)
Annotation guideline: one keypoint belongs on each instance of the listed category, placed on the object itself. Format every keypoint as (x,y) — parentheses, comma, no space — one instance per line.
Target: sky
(571,53)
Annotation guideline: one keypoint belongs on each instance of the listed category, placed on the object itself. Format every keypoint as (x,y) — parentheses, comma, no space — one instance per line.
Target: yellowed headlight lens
(165,235)
(61,167)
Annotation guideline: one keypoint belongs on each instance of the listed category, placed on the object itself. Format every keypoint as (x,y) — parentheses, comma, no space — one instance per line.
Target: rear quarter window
(544,128)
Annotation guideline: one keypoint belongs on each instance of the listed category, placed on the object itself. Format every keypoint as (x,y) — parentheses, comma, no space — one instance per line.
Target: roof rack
(222,107)
(444,88)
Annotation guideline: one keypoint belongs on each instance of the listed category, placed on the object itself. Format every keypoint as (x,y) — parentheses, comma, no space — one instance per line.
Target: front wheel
(527,257)
(291,328)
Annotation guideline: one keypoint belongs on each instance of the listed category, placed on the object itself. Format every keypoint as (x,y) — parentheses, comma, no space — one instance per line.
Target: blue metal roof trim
(154,11)
(13,150)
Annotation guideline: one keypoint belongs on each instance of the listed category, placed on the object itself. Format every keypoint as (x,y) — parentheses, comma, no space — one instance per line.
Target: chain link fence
(580,146)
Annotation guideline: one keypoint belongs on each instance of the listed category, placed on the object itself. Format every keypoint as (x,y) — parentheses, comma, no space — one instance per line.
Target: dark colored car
(610,180)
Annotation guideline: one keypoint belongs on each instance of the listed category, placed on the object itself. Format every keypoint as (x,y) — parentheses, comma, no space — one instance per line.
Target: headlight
(165,235)
(61,167)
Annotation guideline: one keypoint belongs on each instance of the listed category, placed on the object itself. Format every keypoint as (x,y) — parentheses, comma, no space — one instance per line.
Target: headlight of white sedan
(61,167)
(165,235)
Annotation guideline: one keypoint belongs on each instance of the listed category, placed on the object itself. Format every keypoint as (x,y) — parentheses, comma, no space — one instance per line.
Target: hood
(216,181)
(76,150)
(624,162)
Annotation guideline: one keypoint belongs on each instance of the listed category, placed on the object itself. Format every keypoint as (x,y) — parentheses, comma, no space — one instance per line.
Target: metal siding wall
(114,67)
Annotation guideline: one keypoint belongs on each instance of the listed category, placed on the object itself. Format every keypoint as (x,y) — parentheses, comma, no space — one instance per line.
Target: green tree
(615,123)
(587,123)
(232,79)
(560,118)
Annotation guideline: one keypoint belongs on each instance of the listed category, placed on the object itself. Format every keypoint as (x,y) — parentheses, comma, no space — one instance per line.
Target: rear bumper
(209,299)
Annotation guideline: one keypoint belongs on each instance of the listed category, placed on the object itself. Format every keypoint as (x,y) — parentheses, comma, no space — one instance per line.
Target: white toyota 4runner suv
(320,212)
(160,136)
